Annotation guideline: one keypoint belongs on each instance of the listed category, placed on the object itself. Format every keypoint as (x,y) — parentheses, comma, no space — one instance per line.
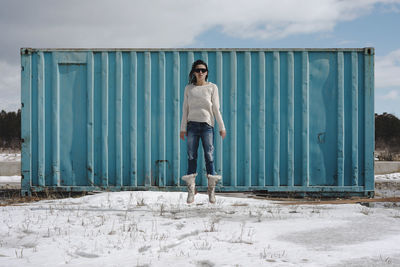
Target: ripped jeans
(195,131)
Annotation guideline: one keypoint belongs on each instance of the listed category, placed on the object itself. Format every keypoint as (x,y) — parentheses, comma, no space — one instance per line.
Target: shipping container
(297,120)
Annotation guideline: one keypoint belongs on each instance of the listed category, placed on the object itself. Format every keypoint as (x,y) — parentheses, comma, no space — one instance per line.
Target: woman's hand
(182,135)
(222,134)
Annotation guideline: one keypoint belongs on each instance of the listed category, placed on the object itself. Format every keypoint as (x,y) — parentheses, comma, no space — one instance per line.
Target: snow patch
(10,156)
(159,229)
(388,177)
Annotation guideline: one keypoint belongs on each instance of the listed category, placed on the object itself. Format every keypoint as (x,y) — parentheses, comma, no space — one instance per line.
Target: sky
(203,24)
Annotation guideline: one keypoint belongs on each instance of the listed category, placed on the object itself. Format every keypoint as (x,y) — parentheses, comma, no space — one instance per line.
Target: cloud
(391,95)
(9,87)
(346,42)
(160,23)
(387,70)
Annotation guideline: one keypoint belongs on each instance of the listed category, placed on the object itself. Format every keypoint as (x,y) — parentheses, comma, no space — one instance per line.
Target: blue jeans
(195,131)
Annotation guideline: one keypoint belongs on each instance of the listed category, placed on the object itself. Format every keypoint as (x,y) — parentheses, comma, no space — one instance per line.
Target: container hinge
(26,51)
(369,51)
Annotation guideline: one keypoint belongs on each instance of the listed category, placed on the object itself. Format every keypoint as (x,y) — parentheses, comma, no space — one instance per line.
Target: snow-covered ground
(10,179)
(10,156)
(387,185)
(388,177)
(10,182)
(160,229)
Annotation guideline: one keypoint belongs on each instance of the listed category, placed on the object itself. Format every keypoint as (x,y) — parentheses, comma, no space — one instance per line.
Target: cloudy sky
(205,23)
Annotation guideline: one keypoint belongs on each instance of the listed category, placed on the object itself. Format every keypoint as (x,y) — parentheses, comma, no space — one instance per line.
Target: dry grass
(13,196)
(8,150)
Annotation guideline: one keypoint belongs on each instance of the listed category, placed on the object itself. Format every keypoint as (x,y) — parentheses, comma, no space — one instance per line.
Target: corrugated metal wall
(296,119)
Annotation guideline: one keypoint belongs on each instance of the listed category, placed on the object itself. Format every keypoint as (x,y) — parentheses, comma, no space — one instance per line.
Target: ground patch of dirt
(13,196)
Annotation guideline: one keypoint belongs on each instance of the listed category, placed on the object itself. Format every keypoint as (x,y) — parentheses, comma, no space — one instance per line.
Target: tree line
(387,136)
(10,129)
(387,131)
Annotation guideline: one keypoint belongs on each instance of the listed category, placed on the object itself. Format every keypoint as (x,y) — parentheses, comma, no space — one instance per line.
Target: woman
(200,109)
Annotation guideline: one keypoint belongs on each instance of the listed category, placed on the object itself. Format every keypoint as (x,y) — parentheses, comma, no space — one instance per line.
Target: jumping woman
(199,112)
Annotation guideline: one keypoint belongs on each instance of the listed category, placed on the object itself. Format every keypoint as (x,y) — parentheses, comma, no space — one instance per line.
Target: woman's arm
(217,112)
(185,111)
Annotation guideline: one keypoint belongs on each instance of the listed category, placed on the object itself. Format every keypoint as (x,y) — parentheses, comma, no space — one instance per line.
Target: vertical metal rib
(147,119)
(201,156)
(26,131)
(90,119)
(340,121)
(204,56)
(190,60)
(233,104)
(369,118)
(247,115)
(161,128)
(354,118)
(176,121)
(290,140)
(55,107)
(118,119)
(276,119)
(133,119)
(218,140)
(104,118)
(261,120)
(305,116)
(41,121)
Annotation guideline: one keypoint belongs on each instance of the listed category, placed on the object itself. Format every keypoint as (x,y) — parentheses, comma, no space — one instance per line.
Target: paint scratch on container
(321,138)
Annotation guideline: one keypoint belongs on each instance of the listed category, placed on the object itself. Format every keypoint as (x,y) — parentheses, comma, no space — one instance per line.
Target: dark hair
(192,77)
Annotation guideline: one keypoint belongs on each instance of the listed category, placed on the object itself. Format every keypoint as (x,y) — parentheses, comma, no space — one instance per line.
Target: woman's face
(200,71)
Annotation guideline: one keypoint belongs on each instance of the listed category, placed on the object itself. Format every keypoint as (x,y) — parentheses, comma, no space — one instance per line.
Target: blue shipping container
(298,120)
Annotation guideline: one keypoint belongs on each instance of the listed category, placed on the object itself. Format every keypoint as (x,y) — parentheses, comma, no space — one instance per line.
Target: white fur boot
(212,181)
(191,184)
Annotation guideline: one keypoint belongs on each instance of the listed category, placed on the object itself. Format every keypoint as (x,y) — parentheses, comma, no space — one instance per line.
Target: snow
(387,185)
(10,182)
(388,177)
(160,229)
(10,156)
(10,179)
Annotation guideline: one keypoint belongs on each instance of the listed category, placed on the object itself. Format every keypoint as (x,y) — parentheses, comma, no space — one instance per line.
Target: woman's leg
(192,147)
(207,139)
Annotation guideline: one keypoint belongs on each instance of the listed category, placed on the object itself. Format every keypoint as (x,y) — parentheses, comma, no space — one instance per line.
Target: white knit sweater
(201,104)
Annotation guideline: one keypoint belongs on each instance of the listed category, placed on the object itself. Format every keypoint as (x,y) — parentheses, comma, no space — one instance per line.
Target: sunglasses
(200,70)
